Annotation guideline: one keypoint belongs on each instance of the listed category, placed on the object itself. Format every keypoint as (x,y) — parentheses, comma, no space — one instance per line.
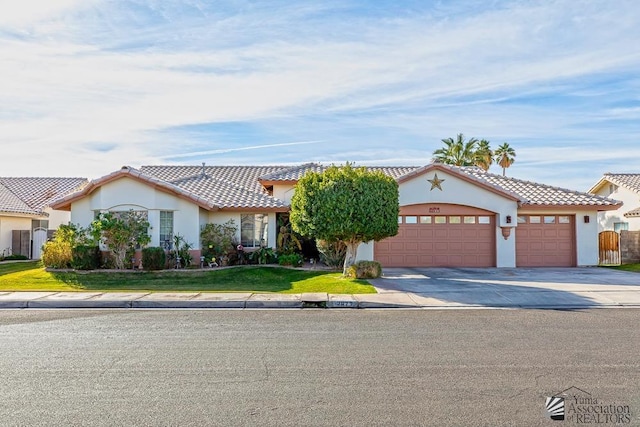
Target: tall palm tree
(505,156)
(457,152)
(484,155)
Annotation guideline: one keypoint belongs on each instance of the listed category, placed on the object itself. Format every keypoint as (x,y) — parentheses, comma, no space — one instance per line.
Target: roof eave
(254,209)
(24,214)
(598,185)
(268,182)
(567,207)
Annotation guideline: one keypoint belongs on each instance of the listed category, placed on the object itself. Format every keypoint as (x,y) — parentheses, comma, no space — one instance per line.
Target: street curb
(13,304)
(78,304)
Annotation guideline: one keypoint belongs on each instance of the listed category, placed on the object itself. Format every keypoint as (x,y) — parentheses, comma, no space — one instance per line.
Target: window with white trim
(254,229)
(619,226)
(166,229)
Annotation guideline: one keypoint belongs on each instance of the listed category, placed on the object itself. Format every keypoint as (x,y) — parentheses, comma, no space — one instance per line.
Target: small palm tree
(484,155)
(505,156)
(457,152)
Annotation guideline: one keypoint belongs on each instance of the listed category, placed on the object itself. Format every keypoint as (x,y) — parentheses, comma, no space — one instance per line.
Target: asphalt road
(311,367)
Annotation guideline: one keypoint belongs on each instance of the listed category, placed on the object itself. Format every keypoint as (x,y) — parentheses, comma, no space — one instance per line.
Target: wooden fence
(609,247)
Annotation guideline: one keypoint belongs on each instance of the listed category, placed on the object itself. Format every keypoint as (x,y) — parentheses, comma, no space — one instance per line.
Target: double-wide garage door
(440,241)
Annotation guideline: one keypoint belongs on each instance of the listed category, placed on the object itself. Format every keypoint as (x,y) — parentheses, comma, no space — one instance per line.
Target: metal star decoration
(436,182)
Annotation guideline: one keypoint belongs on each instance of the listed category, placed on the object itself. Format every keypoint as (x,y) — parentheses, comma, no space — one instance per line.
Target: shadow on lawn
(8,267)
(239,279)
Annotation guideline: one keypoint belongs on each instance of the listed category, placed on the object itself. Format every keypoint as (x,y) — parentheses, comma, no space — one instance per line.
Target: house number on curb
(344,303)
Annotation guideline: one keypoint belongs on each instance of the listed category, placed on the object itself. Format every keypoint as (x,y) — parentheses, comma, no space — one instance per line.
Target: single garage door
(440,241)
(545,241)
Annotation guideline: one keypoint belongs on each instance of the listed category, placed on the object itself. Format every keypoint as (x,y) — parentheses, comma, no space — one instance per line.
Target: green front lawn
(31,276)
(626,267)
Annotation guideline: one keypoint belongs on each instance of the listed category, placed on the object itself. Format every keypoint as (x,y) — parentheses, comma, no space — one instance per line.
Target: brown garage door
(440,241)
(545,241)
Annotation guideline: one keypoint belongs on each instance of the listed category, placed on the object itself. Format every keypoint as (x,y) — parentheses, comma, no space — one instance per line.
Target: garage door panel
(425,246)
(441,246)
(411,233)
(455,234)
(441,232)
(411,246)
(425,233)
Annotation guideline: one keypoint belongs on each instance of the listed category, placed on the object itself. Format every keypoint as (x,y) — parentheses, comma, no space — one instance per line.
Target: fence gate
(39,239)
(609,247)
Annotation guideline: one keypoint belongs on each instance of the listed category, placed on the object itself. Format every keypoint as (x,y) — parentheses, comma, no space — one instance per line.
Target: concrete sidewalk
(469,298)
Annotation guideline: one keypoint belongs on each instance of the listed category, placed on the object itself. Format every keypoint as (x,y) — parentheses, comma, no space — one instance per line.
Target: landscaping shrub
(332,253)
(153,258)
(107,260)
(57,254)
(85,257)
(219,240)
(262,256)
(294,260)
(180,250)
(365,270)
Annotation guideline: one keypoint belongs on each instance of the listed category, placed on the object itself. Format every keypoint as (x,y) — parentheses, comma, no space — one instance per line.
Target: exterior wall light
(506,232)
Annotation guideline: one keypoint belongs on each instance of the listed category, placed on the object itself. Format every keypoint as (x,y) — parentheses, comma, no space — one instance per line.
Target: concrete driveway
(513,287)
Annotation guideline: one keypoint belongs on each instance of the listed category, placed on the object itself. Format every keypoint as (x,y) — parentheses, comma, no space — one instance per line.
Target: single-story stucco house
(449,216)
(626,188)
(26,218)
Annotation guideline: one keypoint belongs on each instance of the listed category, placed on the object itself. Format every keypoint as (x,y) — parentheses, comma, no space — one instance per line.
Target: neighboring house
(626,188)
(26,218)
(449,216)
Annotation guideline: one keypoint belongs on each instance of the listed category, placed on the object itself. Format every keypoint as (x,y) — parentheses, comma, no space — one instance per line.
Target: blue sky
(88,86)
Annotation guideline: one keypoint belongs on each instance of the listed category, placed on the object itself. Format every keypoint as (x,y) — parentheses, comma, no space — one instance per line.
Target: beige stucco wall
(57,218)
(630,200)
(125,194)
(7,225)
(284,192)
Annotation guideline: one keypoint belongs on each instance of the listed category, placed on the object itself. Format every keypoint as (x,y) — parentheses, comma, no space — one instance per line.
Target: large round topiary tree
(350,204)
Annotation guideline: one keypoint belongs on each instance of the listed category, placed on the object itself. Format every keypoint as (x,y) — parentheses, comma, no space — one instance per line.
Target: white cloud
(77,74)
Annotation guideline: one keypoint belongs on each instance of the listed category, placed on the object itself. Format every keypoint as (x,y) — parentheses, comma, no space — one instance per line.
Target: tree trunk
(350,258)
(119,256)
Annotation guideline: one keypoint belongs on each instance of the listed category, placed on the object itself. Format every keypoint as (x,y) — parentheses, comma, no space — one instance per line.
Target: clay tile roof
(226,194)
(533,193)
(244,176)
(627,180)
(32,195)
(294,173)
(635,213)
(222,186)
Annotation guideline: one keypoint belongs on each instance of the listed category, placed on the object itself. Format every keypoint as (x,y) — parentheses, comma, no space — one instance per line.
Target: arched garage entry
(440,235)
